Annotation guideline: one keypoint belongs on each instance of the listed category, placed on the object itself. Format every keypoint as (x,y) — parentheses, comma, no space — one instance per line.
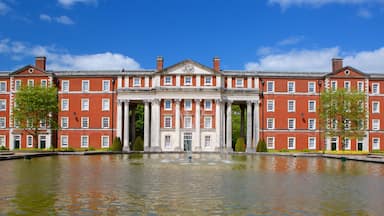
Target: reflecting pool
(211,184)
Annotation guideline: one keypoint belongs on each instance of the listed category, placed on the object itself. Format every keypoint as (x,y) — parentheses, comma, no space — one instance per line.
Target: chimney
(40,62)
(159,63)
(337,64)
(216,63)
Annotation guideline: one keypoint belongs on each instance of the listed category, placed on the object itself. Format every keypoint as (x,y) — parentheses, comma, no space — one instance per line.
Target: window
(105,106)
(106,85)
(347,124)
(270,86)
(3,86)
(29,141)
(3,105)
(167,104)
(347,144)
(64,104)
(334,85)
(208,122)
(375,88)
(167,141)
(334,124)
(64,141)
(291,124)
(375,107)
(187,80)
(270,123)
(167,122)
(104,141)
(208,105)
(375,143)
(270,105)
(84,122)
(312,124)
(65,86)
(16,124)
(31,83)
(2,140)
(360,86)
(311,143)
(85,85)
(168,80)
(3,122)
(291,87)
(291,142)
(271,142)
(43,83)
(84,142)
(188,105)
(105,122)
(311,87)
(187,122)
(347,85)
(375,124)
(311,106)
(43,123)
(17,84)
(64,122)
(136,81)
(208,80)
(84,104)
(291,106)
(239,82)
(207,141)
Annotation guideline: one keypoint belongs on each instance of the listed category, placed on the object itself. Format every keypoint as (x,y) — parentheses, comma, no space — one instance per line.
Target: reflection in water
(169,185)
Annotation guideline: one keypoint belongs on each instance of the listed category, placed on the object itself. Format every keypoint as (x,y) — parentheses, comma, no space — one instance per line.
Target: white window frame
(3,122)
(3,140)
(167,141)
(64,122)
(105,104)
(207,141)
(64,104)
(347,143)
(207,104)
(84,120)
(136,81)
(311,87)
(333,85)
(82,143)
(291,123)
(42,83)
(293,108)
(313,108)
(239,82)
(208,122)
(188,108)
(65,86)
(291,87)
(106,85)
(62,143)
(270,105)
(166,103)
(375,88)
(375,143)
(31,82)
(84,104)
(168,80)
(167,119)
(103,120)
(17,85)
(104,144)
(3,105)
(270,123)
(347,85)
(206,83)
(375,124)
(188,78)
(3,86)
(29,141)
(375,106)
(270,86)
(311,139)
(270,142)
(187,119)
(294,143)
(85,85)
(360,86)
(311,124)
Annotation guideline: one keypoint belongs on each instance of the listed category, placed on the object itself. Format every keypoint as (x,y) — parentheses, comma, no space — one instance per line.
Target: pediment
(189,67)
(29,70)
(347,72)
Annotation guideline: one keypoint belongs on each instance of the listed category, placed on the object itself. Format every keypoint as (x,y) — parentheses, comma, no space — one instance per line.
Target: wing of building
(188,107)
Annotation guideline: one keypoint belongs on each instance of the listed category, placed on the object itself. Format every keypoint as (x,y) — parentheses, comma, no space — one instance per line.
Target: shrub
(91,149)
(240,145)
(3,148)
(139,144)
(68,149)
(261,146)
(116,145)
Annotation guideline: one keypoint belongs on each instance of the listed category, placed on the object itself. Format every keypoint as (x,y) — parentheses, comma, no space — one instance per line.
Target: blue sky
(267,35)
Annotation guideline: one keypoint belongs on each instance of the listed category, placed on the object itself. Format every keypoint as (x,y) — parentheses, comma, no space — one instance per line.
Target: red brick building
(188,106)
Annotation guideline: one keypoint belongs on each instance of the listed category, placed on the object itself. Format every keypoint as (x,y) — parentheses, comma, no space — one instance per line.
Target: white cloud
(4,8)
(60,19)
(69,3)
(59,60)
(290,41)
(364,13)
(319,60)
(316,3)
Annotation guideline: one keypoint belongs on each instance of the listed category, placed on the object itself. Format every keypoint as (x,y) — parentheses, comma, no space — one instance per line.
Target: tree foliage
(35,109)
(343,114)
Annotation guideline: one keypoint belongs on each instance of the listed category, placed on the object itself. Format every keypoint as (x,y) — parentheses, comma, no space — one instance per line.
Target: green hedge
(261,146)
(240,145)
(116,145)
(139,144)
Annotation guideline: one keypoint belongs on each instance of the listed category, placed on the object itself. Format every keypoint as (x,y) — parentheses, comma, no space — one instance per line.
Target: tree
(343,114)
(35,109)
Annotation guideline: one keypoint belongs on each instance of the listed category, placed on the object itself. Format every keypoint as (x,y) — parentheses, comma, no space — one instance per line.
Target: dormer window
(188,80)
(208,80)
(168,80)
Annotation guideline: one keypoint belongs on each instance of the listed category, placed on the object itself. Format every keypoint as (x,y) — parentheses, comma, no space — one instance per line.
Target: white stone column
(119,120)
(146,126)
(218,124)
(126,126)
(229,127)
(249,126)
(197,125)
(155,125)
(177,125)
(256,123)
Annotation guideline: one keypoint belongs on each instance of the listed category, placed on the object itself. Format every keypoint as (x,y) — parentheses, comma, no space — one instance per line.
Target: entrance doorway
(360,145)
(187,141)
(16,142)
(42,141)
(334,142)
